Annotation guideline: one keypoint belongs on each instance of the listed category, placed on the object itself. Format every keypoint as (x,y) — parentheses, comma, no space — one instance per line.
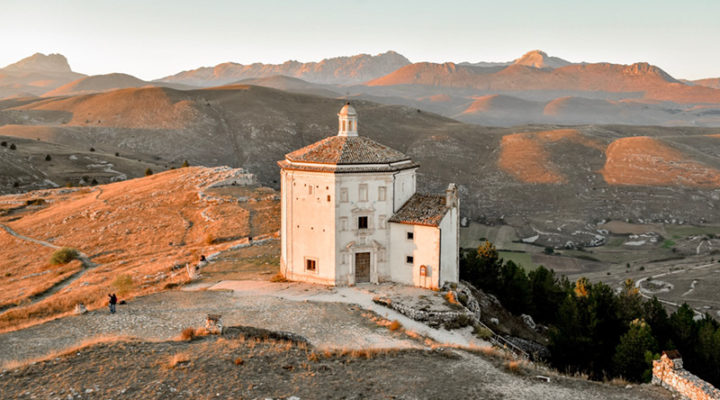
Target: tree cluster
(594,329)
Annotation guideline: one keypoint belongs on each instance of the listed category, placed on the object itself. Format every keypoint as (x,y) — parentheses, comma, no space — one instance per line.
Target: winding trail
(83,258)
(670,303)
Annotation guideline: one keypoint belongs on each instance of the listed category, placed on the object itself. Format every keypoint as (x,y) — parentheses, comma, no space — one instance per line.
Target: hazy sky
(154,38)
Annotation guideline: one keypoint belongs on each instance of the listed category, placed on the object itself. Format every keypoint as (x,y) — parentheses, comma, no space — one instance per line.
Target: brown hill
(252,127)
(646,161)
(35,75)
(540,59)
(636,80)
(138,229)
(710,82)
(342,70)
(97,83)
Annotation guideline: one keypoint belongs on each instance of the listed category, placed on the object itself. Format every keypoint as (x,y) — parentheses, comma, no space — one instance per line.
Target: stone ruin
(213,324)
(669,373)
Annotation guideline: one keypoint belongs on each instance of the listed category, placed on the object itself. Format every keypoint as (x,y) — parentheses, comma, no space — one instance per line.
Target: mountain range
(534,88)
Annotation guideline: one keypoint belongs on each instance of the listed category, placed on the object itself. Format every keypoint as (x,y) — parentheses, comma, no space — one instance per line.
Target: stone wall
(669,373)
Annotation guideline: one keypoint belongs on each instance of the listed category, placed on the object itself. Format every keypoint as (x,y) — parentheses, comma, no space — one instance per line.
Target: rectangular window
(382,193)
(381,221)
(409,259)
(363,192)
(362,222)
(310,265)
(343,223)
(343,195)
(410,235)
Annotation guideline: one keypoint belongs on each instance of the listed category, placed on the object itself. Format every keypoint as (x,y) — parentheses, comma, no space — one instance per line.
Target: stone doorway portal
(362,267)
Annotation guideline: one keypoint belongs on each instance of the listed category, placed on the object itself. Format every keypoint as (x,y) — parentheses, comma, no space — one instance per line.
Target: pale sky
(155,38)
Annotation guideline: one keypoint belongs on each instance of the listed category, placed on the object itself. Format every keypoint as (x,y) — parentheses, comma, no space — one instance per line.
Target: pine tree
(635,352)
(185,164)
(148,172)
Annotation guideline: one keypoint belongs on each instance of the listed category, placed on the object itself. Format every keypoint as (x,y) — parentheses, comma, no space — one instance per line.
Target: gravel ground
(239,365)
(164,315)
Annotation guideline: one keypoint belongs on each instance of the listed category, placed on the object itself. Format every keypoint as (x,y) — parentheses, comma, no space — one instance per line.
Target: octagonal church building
(350,214)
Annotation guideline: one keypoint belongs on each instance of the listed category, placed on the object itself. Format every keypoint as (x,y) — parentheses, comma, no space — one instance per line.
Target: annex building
(350,214)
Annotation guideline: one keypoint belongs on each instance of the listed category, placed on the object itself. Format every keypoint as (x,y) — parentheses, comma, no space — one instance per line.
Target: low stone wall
(670,374)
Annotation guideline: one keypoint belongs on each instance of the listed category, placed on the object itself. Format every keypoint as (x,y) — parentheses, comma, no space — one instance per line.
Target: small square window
(328,197)
(362,222)
(410,235)
(409,259)
(310,265)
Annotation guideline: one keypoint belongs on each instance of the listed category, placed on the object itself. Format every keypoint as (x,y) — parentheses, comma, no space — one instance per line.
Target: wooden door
(362,267)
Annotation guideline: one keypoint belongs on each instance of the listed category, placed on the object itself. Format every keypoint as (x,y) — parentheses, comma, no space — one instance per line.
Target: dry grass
(178,359)
(450,297)
(350,354)
(118,228)
(278,278)
(187,334)
(395,325)
(97,340)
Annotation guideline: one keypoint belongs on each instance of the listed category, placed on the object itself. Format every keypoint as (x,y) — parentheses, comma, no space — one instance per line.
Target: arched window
(343,128)
(350,125)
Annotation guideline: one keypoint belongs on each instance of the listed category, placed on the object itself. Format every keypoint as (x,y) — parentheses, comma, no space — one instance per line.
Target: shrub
(48,158)
(3,144)
(148,172)
(94,182)
(177,359)
(123,283)
(483,332)
(63,256)
(117,154)
(395,325)
(92,149)
(185,164)
(13,147)
(187,334)
(548,250)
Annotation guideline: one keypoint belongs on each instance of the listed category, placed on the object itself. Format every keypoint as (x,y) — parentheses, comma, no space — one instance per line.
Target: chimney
(451,196)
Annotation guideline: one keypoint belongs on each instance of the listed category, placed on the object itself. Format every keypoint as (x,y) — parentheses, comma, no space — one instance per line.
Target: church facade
(350,214)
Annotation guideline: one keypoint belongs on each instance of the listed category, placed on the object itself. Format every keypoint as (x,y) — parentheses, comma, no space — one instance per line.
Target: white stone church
(350,214)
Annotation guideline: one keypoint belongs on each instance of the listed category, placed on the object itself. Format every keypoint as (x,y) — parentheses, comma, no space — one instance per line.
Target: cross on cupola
(347,121)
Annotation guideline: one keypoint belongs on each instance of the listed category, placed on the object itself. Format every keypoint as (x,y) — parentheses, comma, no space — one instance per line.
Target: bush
(148,172)
(92,149)
(13,147)
(123,283)
(48,158)
(548,250)
(185,164)
(187,334)
(3,144)
(117,154)
(395,325)
(63,256)
(483,332)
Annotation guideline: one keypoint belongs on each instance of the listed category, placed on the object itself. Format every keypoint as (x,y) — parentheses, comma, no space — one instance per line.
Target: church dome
(347,110)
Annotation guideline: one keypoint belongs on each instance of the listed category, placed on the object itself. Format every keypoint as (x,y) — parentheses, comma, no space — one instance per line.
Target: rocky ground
(250,363)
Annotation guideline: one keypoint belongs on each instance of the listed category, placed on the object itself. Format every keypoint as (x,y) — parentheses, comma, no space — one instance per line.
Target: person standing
(112,303)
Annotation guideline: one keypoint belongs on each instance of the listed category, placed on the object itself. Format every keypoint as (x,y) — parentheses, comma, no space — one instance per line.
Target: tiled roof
(347,169)
(421,209)
(347,150)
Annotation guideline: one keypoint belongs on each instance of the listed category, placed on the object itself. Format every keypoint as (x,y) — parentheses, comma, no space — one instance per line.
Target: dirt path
(84,259)
(639,282)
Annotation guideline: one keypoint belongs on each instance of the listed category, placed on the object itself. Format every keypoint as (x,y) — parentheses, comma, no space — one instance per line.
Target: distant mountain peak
(540,59)
(40,62)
